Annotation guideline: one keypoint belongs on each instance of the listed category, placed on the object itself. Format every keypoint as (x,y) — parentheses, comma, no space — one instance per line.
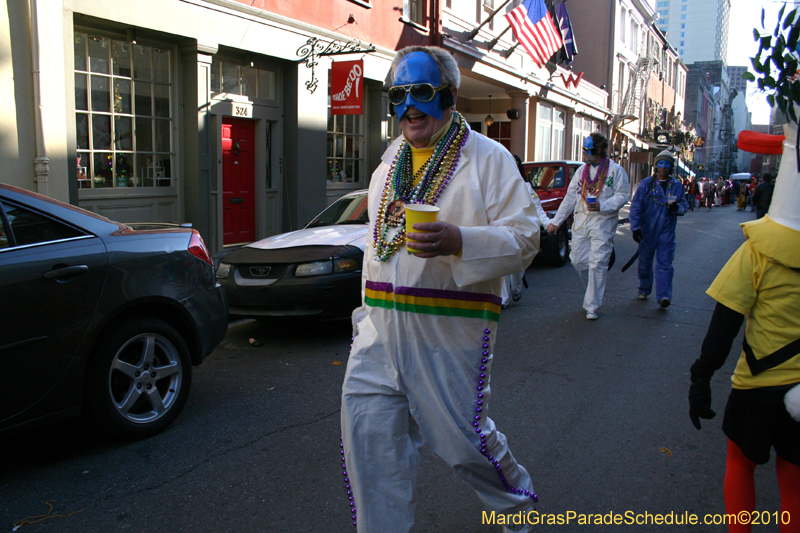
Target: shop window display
(345,148)
(123,114)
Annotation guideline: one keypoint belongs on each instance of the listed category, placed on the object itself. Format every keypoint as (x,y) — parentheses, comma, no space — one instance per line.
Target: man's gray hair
(448,68)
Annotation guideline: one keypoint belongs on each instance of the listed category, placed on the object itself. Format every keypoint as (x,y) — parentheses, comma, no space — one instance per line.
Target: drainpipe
(41,163)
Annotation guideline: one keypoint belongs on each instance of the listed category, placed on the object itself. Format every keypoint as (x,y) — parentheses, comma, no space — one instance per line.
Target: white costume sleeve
(622,191)
(567,206)
(543,218)
(509,239)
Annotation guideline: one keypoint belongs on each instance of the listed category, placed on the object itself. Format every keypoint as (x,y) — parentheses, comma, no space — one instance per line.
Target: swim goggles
(421,92)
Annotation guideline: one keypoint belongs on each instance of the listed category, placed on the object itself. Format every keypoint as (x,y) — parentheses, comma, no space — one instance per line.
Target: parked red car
(550,180)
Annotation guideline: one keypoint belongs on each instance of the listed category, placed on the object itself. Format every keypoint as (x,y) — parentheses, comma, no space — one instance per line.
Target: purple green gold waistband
(432,301)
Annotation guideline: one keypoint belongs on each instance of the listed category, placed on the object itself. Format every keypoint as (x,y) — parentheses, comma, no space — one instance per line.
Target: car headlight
(223,271)
(314,269)
(345,264)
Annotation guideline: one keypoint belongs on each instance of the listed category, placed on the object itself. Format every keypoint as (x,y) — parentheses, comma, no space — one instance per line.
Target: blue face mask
(663,164)
(414,68)
(588,146)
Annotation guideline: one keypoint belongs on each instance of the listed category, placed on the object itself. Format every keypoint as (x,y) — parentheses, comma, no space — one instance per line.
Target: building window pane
(230,78)
(98,54)
(103,166)
(161,62)
(101,96)
(161,101)
(81,94)
(500,131)
(121,58)
(249,82)
(80,51)
(266,84)
(142,69)
(413,11)
(345,147)
(122,96)
(123,134)
(144,134)
(115,126)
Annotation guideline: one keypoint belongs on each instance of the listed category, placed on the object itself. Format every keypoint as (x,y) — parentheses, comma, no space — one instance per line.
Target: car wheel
(139,379)
(556,251)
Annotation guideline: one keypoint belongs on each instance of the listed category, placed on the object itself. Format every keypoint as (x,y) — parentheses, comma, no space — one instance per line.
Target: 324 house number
(241,111)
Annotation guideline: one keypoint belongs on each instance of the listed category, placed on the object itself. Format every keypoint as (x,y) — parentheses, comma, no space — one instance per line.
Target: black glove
(637,235)
(673,207)
(700,402)
(700,392)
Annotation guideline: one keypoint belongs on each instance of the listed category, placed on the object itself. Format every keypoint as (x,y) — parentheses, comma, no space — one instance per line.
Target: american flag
(535,30)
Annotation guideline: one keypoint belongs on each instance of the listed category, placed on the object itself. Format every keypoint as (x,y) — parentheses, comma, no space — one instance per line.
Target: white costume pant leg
(397,394)
(512,287)
(591,251)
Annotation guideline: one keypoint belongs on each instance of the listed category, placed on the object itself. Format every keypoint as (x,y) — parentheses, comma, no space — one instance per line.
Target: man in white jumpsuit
(421,358)
(596,193)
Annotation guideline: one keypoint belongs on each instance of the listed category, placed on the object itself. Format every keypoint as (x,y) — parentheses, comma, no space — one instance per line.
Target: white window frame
(151,168)
(550,133)
(346,171)
(414,11)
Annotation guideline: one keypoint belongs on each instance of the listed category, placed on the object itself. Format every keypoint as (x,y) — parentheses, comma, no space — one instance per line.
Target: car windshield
(547,177)
(347,210)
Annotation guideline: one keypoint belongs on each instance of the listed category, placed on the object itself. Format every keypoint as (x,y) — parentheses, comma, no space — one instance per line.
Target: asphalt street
(596,411)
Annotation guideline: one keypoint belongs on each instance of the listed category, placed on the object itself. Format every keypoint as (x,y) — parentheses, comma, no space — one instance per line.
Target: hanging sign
(347,88)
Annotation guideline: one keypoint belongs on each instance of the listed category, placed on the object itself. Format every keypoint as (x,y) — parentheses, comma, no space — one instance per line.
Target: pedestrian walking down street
(762,197)
(657,203)
(752,187)
(691,196)
(420,363)
(709,191)
(761,282)
(595,195)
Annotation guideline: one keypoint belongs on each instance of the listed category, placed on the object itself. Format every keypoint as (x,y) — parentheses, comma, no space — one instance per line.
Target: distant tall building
(736,80)
(698,29)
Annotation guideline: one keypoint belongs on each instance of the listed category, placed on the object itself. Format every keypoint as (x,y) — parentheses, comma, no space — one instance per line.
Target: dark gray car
(100,316)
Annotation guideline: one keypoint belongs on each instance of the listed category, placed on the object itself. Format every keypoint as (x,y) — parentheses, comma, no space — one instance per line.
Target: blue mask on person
(588,146)
(419,67)
(663,164)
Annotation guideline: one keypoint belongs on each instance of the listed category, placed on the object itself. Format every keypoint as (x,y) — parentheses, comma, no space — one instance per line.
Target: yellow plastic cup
(415,214)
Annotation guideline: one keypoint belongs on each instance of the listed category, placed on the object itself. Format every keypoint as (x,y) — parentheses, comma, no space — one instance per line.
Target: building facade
(210,111)
(736,80)
(218,112)
(536,114)
(698,28)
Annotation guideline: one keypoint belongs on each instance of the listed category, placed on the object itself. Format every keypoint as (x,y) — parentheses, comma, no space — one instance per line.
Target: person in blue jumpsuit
(658,202)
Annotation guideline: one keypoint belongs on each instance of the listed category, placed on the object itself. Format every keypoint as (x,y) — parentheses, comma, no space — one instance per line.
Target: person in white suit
(420,363)
(595,195)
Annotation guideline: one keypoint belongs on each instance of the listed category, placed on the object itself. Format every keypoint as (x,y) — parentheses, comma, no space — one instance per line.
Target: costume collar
(779,243)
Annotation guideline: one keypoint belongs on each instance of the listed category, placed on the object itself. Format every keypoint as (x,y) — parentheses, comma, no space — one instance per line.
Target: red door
(238,181)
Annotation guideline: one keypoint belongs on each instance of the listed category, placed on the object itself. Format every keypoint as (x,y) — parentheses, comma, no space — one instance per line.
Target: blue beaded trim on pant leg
(346,477)
(476,424)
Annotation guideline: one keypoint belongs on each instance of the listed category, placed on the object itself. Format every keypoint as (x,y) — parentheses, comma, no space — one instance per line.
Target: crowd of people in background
(755,194)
